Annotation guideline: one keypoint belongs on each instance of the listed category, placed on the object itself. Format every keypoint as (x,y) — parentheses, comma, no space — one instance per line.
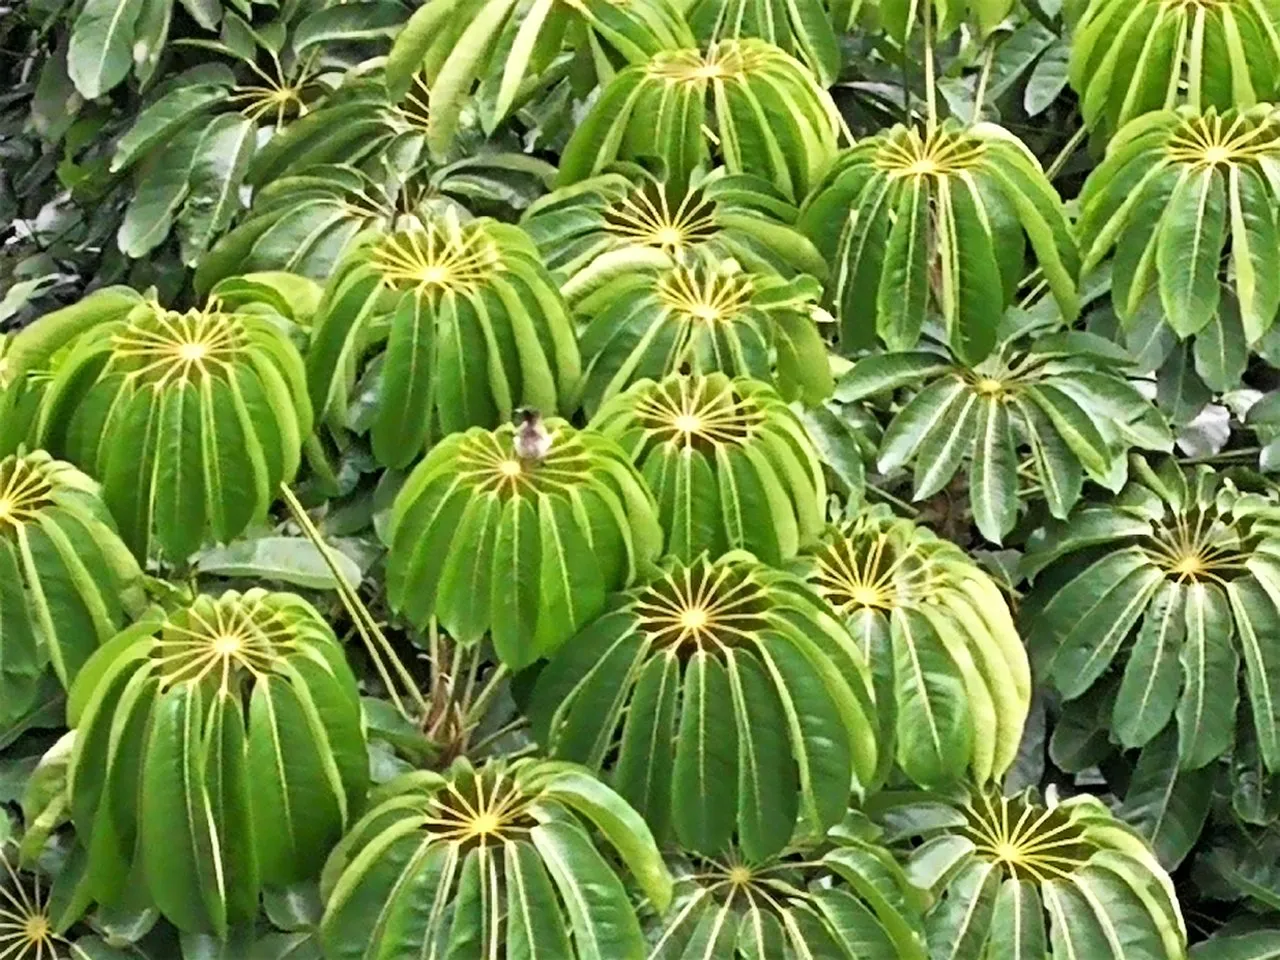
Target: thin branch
(930,83)
(1065,153)
(366,625)
(984,78)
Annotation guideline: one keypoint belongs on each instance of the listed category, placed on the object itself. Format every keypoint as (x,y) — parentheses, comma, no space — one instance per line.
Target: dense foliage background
(609,479)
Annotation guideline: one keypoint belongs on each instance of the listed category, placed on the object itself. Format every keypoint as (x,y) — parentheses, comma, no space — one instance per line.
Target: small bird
(532,440)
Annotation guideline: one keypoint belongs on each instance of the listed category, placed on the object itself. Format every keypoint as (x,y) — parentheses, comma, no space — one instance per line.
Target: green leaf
(1167,806)
(293,560)
(221,158)
(705,776)
(1192,233)
(993,477)
(349,22)
(903,297)
(101,50)
(162,188)
(161,121)
(604,924)
(1257,618)
(1149,689)
(1207,707)
(1221,352)
(943,448)
(767,778)
(934,731)
(621,826)
(1180,392)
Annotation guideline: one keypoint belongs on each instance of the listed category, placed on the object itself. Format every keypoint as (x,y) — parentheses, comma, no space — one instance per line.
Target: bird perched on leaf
(532,440)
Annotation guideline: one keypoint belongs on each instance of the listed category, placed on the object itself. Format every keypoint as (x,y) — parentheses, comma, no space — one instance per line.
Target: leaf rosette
(466,323)
(629,219)
(952,681)
(309,221)
(849,902)
(66,577)
(1015,878)
(702,318)
(191,148)
(803,28)
(1131,59)
(727,702)
(1170,586)
(1046,414)
(743,103)
(191,420)
(31,918)
(1179,196)
(525,549)
(505,47)
(729,464)
(500,860)
(940,220)
(220,749)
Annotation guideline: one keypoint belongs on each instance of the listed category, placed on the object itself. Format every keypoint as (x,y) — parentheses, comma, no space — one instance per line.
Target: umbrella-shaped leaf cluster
(726,700)
(66,577)
(1175,587)
(1131,59)
(941,220)
(219,749)
(1053,412)
(1179,195)
(190,420)
(729,463)
(706,317)
(747,103)
(952,682)
(844,900)
(504,46)
(606,225)
(515,860)
(525,545)
(1014,877)
(465,321)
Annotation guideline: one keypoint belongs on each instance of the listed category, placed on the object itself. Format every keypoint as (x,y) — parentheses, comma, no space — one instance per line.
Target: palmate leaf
(1130,59)
(743,103)
(35,915)
(802,28)
(309,222)
(952,682)
(492,861)
(725,701)
(193,145)
(361,125)
(706,317)
(618,221)
(729,463)
(490,538)
(942,220)
(845,899)
(505,45)
(1176,585)
(1068,409)
(465,321)
(1175,190)
(67,580)
(1017,880)
(190,420)
(220,749)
